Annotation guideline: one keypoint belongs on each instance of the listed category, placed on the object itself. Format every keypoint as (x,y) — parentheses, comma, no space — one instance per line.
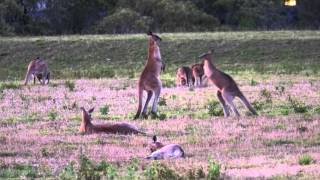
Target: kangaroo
(197,74)
(160,151)
(117,128)
(184,76)
(227,87)
(150,77)
(37,68)
(39,77)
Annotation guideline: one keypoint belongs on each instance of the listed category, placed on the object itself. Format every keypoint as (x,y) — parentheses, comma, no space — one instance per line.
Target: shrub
(132,169)
(213,170)
(267,95)
(53,115)
(18,171)
(253,82)
(91,170)
(298,107)
(194,174)
(68,172)
(305,159)
(104,110)
(69,85)
(162,101)
(107,169)
(157,171)
(214,108)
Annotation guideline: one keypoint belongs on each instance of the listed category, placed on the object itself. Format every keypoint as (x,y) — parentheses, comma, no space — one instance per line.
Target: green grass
(95,56)
(305,159)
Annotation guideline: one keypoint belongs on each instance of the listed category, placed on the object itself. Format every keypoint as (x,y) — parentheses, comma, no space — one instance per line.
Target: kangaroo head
(86,119)
(206,56)
(155,145)
(154,36)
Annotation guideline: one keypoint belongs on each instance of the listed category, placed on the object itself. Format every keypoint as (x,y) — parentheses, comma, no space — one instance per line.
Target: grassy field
(281,52)
(277,71)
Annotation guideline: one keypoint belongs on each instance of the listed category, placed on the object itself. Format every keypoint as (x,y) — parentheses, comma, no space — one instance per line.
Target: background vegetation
(52,17)
(97,56)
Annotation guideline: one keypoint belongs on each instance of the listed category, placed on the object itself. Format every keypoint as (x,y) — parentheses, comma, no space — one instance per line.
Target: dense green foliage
(47,17)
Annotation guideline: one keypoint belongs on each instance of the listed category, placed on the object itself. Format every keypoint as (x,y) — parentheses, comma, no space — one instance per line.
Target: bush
(213,170)
(132,169)
(264,93)
(18,171)
(104,110)
(305,159)
(298,107)
(214,108)
(162,101)
(53,115)
(157,171)
(68,172)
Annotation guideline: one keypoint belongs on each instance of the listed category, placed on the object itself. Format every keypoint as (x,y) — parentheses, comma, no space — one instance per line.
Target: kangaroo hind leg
(224,105)
(144,111)
(228,97)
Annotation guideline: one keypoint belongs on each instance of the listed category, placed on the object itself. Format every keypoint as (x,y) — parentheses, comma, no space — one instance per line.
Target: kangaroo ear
(154,138)
(91,110)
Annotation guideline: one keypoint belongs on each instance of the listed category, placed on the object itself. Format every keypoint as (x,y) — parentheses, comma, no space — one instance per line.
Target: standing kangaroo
(37,68)
(197,74)
(150,77)
(160,151)
(117,128)
(184,76)
(227,87)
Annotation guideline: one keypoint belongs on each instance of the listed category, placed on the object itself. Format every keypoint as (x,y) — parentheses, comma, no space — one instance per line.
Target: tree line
(54,17)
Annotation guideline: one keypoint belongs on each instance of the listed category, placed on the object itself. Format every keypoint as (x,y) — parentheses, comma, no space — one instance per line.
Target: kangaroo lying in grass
(38,68)
(227,87)
(161,151)
(117,128)
(184,76)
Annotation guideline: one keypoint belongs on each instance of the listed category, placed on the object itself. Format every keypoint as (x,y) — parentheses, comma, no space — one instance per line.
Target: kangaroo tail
(27,77)
(140,104)
(247,104)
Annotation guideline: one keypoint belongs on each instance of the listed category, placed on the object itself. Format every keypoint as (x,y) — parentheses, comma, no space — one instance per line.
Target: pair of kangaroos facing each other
(158,150)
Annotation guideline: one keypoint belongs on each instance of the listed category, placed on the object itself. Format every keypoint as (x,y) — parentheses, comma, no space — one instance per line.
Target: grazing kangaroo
(227,87)
(37,68)
(39,77)
(160,151)
(150,77)
(184,76)
(197,73)
(117,128)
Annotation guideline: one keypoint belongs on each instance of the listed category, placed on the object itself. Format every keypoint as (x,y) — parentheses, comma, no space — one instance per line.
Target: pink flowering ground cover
(39,126)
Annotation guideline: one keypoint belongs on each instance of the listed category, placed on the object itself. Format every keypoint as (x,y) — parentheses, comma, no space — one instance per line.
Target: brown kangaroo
(38,68)
(117,128)
(160,151)
(227,87)
(197,74)
(184,76)
(150,77)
